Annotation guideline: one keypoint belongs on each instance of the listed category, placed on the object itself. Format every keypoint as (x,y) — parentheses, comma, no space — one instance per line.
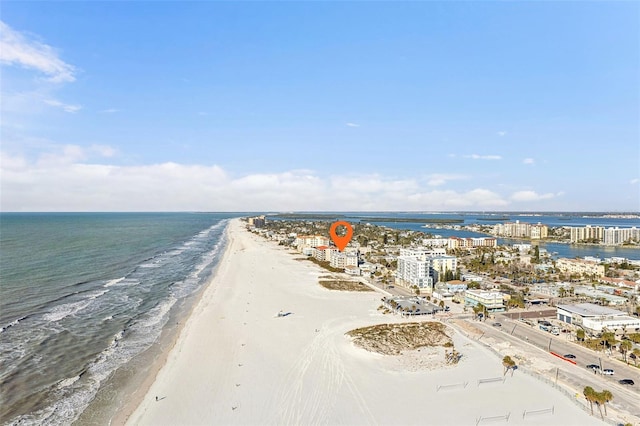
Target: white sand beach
(237,363)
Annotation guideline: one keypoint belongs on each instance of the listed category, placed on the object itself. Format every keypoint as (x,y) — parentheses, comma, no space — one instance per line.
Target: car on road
(497,324)
(594,367)
(626,382)
(607,372)
(570,356)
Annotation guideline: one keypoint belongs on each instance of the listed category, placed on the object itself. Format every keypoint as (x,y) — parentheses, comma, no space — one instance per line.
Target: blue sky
(240,106)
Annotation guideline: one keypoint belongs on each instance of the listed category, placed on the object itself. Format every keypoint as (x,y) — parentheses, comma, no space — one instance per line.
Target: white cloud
(352,125)
(502,133)
(484,157)
(634,181)
(65,107)
(441,179)
(18,49)
(110,111)
(103,150)
(69,178)
(532,196)
(529,161)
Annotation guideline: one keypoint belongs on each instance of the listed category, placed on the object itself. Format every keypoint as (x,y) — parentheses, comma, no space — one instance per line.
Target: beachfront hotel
(343,260)
(421,268)
(310,241)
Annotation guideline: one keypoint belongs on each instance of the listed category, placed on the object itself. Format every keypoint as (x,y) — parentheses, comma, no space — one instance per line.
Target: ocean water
(83,295)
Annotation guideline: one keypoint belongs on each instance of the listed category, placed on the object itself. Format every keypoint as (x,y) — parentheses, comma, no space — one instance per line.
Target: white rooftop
(590,310)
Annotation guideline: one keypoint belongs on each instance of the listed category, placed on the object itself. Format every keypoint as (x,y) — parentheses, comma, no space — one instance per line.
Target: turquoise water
(82,294)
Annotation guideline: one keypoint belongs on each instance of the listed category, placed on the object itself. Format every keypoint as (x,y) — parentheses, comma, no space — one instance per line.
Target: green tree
(608,339)
(606,397)
(599,399)
(625,346)
(507,363)
(580,334)
(635,355)
(590,395)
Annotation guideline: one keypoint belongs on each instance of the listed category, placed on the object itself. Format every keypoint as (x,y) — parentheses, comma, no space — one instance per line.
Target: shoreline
(236,362)
(136,397)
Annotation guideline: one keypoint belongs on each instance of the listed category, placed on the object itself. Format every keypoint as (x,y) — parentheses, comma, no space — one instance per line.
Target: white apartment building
(521,229)
(342,260)
(414,271)
(304,241)
(324,253)
(578,234)
(444,263)
(418,267)
(617,236)
(609,236)
(522,248)
(579,267)
(435,242)
(457,242)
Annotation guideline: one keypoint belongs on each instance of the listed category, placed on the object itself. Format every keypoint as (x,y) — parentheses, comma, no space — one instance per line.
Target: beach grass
(393,339)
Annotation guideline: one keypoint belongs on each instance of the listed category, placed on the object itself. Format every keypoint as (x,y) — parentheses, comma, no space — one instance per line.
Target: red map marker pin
(341,242)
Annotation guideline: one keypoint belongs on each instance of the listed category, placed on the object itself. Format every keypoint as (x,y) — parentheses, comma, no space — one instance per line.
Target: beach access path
(236,362)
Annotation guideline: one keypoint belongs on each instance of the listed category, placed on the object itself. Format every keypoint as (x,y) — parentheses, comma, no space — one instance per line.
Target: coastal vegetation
(509,364)
(393,339)
(599,398)
(344,285)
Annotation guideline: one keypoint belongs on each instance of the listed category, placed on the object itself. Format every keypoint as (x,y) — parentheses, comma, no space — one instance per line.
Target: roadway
(537,344)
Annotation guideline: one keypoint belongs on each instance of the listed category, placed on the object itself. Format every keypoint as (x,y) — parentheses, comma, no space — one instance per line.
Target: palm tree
(625,346)
(599,399)
(589,394)
(606,397)
(507,363)
(636,355)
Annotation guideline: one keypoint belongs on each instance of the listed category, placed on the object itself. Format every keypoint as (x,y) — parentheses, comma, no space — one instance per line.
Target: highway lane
(535,344)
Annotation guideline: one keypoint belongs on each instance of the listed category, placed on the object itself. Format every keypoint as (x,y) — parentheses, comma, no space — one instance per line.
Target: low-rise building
(580,267)
(599,294)
(342,260)
(352,270)
(493,301)
(595,318)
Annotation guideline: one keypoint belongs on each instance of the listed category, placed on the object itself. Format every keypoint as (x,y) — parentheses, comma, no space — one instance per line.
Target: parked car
(570,356)
(607,372)
(594,367)
(626,382)
(497,324)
